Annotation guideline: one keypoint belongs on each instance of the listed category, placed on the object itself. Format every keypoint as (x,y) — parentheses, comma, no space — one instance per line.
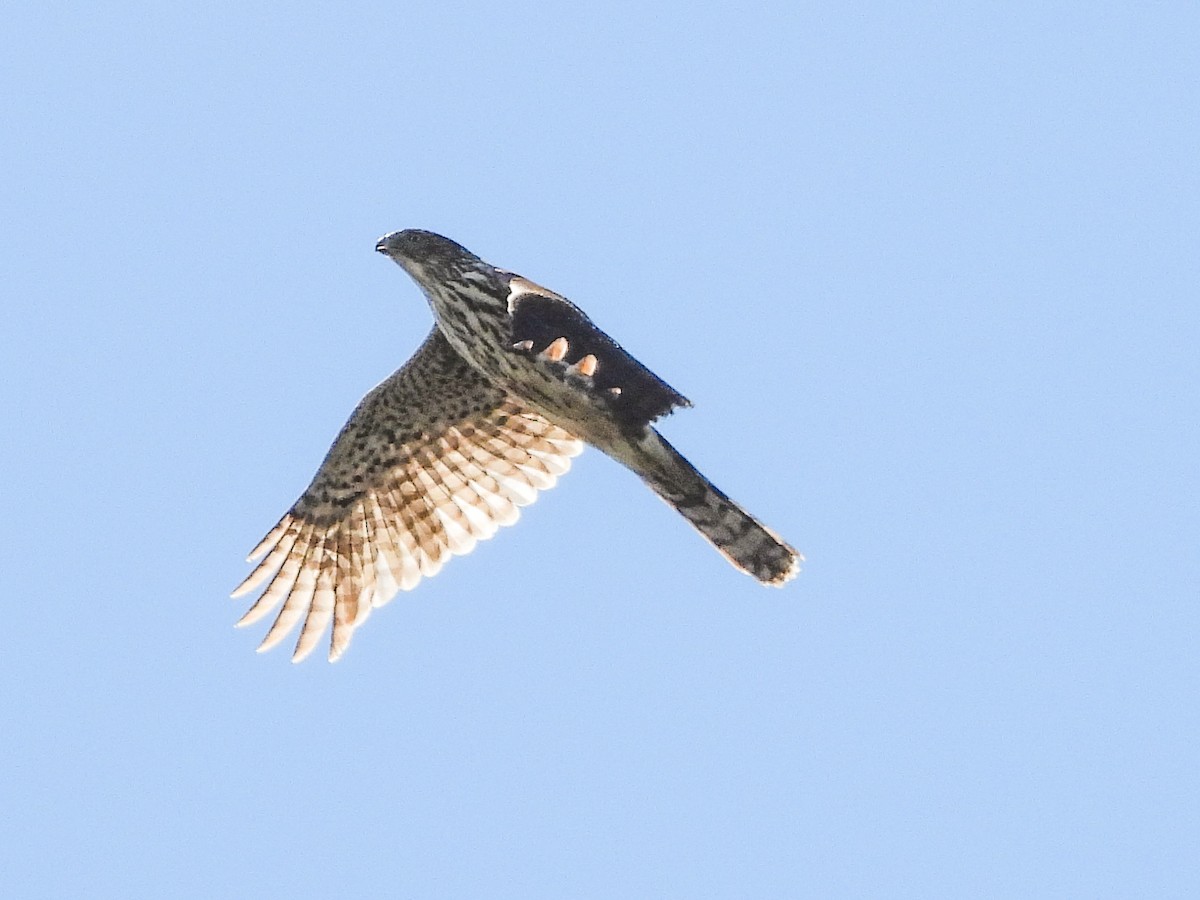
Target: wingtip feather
(271,539)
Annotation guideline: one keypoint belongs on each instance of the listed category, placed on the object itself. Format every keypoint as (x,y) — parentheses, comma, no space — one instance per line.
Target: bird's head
(425,255)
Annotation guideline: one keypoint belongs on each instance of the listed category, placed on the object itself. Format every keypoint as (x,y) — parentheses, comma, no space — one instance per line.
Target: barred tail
(747,543)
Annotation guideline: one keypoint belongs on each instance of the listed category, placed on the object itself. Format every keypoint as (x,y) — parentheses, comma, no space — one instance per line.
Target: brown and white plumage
(510,384)
(432,460)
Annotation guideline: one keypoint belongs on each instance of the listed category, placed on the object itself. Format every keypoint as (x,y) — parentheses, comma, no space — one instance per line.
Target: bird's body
(488,411)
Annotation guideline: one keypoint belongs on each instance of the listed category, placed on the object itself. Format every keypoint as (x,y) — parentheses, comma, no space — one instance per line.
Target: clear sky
(929,273)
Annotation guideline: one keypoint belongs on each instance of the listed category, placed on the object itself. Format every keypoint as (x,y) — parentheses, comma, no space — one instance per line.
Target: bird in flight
(507,388)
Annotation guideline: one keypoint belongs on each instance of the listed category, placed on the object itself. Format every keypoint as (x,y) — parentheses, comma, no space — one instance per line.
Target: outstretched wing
(635,394)
(432,460)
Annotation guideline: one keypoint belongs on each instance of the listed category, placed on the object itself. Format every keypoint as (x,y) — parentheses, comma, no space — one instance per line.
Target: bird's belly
(567,405)
(542,385)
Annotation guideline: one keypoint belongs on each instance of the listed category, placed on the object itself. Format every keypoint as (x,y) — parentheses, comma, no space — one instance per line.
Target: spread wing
(432,460)
(635,394)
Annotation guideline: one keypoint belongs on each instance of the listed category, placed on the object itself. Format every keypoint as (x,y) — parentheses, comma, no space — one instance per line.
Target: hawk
(507,388)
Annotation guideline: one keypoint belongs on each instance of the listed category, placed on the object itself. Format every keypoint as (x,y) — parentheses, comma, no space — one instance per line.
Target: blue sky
(929,273)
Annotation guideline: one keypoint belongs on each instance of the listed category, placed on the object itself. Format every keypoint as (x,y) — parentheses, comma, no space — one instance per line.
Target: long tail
(743,540)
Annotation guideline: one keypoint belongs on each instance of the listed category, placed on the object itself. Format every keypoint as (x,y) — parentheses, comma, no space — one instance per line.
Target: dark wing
(541,318)
(432,460)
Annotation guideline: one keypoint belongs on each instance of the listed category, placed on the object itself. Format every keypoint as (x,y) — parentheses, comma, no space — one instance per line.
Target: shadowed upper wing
(432,460)
(541,316)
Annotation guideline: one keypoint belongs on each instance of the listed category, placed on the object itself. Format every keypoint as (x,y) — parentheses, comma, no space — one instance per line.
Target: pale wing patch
(380,515)
(519,284)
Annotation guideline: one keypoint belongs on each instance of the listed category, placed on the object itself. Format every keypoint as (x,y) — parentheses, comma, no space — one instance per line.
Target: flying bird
(507,388)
